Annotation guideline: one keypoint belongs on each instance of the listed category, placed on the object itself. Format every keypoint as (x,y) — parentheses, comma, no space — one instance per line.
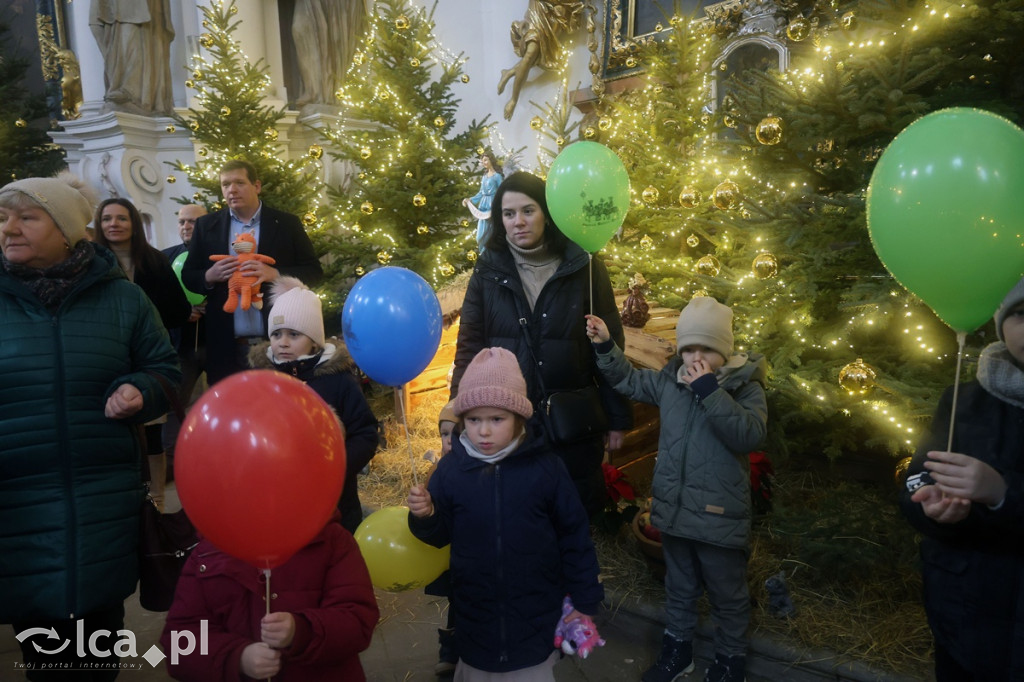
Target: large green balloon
(588,194)
(944,212)
(177,264)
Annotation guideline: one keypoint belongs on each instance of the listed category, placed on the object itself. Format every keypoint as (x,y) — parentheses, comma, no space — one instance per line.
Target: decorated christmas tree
(25,149)
(409,167)
(753,191)
(229,120)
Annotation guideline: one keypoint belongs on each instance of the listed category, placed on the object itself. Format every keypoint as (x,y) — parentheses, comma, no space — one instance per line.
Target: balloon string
(961,338)
(266,574)
(590,275)
(408,438)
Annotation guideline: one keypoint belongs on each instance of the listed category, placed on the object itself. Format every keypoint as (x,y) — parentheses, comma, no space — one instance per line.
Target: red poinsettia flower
(618,486)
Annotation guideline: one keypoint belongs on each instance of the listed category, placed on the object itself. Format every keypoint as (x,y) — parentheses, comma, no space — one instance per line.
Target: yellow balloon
(396,559)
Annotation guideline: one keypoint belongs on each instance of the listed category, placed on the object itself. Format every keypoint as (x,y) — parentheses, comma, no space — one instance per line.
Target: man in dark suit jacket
(278,234)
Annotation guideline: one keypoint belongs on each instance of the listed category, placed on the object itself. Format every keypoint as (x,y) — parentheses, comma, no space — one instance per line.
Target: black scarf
(51,285)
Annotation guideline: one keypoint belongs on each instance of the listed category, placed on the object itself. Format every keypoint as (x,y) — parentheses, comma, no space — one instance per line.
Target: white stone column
(90,59)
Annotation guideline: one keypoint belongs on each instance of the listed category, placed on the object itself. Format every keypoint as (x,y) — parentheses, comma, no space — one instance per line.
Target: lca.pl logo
(183,643)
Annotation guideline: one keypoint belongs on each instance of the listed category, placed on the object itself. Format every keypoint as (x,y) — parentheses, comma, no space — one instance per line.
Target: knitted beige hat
(705,322)
(493,379)
(296,307)
(1015,296)
(448,413)
(66,197)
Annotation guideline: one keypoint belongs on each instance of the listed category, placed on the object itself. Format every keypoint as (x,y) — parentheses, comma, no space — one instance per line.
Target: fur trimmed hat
(705,322)
(493,379)
(295,306)
(66,197)
(1015,296)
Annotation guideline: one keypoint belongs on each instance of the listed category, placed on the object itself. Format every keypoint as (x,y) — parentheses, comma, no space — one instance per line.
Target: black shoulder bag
(568,416)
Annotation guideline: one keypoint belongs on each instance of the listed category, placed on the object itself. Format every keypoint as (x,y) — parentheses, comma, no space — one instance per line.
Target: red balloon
(259,465)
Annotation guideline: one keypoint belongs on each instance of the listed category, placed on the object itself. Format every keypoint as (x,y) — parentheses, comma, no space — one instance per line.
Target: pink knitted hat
(493,379)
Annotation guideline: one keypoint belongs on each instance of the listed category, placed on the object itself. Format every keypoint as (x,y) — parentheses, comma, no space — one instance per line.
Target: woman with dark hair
(528,293)
(81,350)
(119,227)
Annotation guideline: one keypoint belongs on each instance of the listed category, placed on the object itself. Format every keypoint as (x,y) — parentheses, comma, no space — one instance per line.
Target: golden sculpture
(535,40)
(70,84)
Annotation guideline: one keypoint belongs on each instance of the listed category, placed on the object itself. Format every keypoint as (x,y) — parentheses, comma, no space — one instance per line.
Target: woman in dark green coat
(80,351)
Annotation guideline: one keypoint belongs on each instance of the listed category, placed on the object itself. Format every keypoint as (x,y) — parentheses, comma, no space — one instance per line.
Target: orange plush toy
(244,290)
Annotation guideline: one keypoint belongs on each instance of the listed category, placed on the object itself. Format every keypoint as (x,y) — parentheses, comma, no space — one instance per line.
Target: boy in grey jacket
(713,413)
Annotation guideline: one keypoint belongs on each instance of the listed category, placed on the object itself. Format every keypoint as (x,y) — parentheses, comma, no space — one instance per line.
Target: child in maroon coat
(323,613)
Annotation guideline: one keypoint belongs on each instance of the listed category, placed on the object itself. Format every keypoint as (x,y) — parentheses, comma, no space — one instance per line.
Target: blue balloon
(391,323)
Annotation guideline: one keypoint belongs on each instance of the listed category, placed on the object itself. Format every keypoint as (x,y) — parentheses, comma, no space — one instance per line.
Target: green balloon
(588,194)
(944,212)
(177,264)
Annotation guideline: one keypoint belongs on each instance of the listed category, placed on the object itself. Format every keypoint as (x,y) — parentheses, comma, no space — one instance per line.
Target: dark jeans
(947,669)
(66,665)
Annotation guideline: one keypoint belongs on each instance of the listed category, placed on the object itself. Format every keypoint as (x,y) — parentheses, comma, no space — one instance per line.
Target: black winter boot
(727,669)
(447,657)
(675,660)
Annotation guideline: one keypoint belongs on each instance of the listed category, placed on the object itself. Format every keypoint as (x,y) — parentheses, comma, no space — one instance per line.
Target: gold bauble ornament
(197,198)
(693,241)
(419,201)
(471,256)
(171,179)
(690,197)
(646,243)
(765,265)
(383,257)
(848,21)
(232,10)
(357,228)
(309,219)
(401,22)
(900,472)
(189,83)
(723,67)
(170,128)
(315,151)
(203,152)
(365,153)
(206,40)
(270,133)
(589,133)
(464,78)
(705,118)
(360,270)
(726,195)
(225,111)
(414,62)
(604,123)
(197,74)
(447,269)
(729,120)
(439,122)
(422,229)
(857,377)
(769,130)
(367,207)
(362,176)
(339,93)
(708,266)
(701,293)
(408,174)
(536,123)
(206,24)
(385,95)
(480,151)
(798,29)
(650,194)
(631,62)
(193,126)
(560,141)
